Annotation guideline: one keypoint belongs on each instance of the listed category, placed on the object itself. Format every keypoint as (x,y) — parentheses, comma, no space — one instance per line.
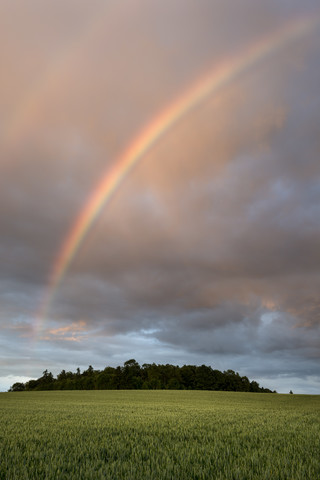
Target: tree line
(145,377)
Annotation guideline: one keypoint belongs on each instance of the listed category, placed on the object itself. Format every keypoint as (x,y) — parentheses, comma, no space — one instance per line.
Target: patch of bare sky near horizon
(217,226)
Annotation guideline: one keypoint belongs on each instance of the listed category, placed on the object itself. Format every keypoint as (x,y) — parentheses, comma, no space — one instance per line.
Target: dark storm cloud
(208,252)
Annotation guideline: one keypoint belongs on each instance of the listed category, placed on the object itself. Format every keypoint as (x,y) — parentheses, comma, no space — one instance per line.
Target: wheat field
(159,435)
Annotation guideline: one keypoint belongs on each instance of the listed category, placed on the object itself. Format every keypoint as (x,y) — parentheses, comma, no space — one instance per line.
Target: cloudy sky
(208,251)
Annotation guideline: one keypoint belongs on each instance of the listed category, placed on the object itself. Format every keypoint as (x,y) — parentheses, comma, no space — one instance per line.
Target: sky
(194,126)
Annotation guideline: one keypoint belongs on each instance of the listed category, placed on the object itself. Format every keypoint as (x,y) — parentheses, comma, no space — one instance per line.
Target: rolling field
(160,435)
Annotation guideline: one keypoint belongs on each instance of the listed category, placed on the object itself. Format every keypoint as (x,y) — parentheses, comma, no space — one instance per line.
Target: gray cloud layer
(209,250)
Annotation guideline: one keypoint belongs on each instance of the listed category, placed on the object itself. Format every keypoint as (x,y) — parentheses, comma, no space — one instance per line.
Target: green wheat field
(159,435)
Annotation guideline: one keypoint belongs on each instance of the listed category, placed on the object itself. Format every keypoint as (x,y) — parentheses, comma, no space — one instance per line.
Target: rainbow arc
(219,77)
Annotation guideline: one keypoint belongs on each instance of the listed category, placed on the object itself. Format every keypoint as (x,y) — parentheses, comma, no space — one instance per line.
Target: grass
(160,435)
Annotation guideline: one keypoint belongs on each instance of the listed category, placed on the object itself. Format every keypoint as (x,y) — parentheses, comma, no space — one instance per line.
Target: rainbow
(218,77)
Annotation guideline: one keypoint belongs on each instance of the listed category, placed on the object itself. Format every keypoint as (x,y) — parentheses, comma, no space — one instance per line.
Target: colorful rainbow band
(217,78)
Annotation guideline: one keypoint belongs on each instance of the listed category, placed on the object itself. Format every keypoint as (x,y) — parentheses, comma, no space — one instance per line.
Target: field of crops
(178,435)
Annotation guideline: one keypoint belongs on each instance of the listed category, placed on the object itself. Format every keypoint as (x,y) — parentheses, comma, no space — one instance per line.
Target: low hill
(148,377)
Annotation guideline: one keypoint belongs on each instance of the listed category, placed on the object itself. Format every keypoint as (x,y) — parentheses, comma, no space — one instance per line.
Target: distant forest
(145,377)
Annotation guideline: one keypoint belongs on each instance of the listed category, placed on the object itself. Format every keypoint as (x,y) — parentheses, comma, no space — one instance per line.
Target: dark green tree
(17,387)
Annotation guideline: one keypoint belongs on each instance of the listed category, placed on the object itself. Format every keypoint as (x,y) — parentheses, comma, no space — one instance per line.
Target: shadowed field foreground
(158,435)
